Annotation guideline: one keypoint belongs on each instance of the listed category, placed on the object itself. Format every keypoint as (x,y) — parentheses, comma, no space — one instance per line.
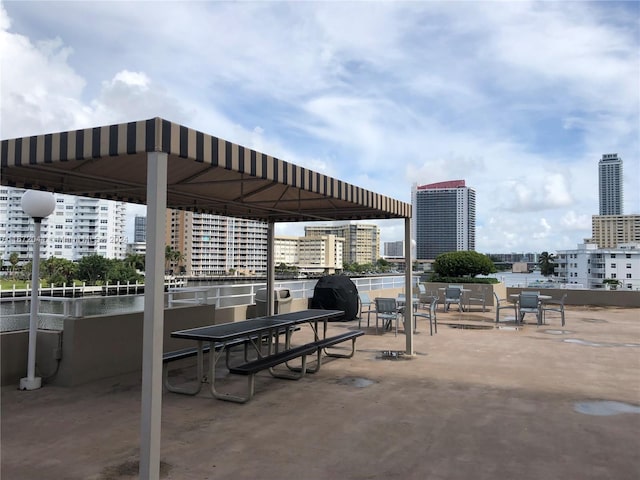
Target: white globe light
(38,204)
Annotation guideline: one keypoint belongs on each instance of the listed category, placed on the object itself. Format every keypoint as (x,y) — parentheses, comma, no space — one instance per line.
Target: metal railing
(53,309)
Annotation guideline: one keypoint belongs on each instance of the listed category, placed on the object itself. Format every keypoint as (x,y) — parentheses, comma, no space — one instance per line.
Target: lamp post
(37,205)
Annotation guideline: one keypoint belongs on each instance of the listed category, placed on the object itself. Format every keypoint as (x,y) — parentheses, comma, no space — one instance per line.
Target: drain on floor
(357,382)
(392,355)
(605,407)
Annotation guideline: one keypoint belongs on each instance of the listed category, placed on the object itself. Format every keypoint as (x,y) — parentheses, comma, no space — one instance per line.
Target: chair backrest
(433,306)
(452,293)
(528,300)
(386,305)
(497,299)
(459,287)
(364,299)
(422,289)
(529,292)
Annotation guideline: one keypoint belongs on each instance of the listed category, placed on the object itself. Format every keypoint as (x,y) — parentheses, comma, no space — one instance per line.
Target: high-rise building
(610,184)
(79,226)
(314,254)
(444,218)
(140,229)
(609,231)
(361,240)
(394,249)
(215,245)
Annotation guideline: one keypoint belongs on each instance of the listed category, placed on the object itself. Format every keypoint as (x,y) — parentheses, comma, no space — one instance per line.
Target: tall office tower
(444,218)
(140,229)
(361,240)
(216,245)
(610,182)
(79,226)
(394,249)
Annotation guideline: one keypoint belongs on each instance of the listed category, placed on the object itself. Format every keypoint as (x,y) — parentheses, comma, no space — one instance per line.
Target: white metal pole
(408,286)
(31,382)
(270,267)
(151,415)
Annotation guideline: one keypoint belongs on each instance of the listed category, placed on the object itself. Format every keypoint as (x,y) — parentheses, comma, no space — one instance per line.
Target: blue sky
(519,98)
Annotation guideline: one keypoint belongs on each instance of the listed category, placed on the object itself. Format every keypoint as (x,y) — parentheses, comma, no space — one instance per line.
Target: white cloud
(520,101)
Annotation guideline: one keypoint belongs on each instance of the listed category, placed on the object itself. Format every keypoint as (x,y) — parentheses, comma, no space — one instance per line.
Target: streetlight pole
(37,205)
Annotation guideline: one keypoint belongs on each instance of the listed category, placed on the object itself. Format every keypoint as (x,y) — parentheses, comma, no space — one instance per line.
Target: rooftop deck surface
(498,403)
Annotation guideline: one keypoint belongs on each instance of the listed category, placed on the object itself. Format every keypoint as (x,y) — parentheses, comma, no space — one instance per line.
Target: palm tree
(14,258)
(546,263)
(171,255)
(136,260)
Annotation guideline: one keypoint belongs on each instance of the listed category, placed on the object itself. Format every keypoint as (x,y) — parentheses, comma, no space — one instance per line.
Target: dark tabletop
(228,331)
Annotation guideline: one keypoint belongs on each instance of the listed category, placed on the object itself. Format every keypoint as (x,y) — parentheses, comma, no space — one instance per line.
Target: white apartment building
(318,254)
(361,240)
(589,265)
(79,226)
(214,245)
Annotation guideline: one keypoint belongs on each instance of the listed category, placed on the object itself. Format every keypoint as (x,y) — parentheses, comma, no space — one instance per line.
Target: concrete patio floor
(497,403)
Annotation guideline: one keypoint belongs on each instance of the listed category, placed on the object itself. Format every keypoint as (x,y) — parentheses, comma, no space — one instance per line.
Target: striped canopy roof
(205,174)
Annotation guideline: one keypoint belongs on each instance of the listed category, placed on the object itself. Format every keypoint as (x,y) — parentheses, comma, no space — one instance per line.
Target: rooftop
(528,403)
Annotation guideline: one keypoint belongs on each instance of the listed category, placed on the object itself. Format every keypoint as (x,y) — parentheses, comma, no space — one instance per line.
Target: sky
(520,99)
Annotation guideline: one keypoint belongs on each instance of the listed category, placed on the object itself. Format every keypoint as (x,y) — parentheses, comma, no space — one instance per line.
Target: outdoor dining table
(542,298)
(254,329)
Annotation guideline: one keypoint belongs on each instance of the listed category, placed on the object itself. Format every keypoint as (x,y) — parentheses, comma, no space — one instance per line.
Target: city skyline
(521,101)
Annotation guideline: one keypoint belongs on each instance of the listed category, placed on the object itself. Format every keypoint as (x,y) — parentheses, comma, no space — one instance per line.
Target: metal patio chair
(554,306)
(430,315)
(502,304)
(366,306)
(528,302)
(453,295)
(387,310)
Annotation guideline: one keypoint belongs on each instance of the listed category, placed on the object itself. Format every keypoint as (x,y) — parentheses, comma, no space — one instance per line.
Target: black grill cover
(336,292)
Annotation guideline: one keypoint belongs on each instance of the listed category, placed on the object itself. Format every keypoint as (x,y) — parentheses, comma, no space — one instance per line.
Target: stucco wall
(14,350)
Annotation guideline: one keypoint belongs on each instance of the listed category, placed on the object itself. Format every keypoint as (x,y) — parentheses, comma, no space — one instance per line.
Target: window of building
(628,265)
(629,275)
(613,265)
(613,255)
(613,275)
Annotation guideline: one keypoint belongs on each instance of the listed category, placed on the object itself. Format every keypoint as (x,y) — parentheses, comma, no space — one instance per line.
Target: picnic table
(216,339)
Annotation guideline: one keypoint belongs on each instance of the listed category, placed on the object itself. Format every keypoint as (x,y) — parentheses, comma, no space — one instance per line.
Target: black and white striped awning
(205,174)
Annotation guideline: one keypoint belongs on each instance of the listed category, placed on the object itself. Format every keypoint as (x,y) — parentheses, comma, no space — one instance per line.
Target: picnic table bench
(222,336)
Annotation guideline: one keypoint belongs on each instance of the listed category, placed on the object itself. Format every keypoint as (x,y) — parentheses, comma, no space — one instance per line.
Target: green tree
(135,260)
(546,263)
(171,256)
(121,271)
(14,258)
(93,268)
(58,270)
(463,264)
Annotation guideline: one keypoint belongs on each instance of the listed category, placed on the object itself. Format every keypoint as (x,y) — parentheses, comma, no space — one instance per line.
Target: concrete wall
(598,298)
(476,289)
(14,350)
(601,298)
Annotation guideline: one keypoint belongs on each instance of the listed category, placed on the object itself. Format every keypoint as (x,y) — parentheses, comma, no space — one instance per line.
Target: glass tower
(610,183)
